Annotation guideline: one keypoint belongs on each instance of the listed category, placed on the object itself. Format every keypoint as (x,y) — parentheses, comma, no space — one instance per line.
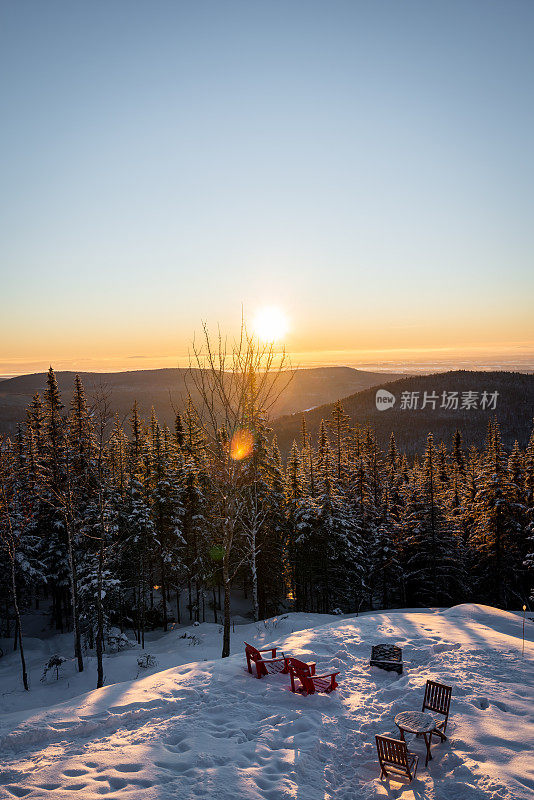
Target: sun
(271,324)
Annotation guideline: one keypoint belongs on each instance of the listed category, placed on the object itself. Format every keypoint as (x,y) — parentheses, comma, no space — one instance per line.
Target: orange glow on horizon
(518,355)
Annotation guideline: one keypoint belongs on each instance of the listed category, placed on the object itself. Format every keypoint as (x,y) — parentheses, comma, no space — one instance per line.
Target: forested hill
(165,388)
(514,411)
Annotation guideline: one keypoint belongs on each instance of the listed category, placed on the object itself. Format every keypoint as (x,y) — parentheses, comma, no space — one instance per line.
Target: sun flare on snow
(271,324)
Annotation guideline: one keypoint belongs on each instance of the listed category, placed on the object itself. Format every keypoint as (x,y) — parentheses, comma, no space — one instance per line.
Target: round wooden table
(419,722)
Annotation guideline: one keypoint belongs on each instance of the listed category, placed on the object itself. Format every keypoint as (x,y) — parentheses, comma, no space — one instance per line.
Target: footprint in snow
(128,767)
(181,747)
(146,784)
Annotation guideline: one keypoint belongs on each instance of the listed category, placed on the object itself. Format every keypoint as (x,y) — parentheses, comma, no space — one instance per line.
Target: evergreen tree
(458,458)
(431,552)
(386,567)
(498,526)
(19,545)
(339,427)
(392,458)
(307,456)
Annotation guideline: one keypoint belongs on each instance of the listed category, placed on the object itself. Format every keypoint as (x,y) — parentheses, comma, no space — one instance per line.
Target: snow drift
(208,729)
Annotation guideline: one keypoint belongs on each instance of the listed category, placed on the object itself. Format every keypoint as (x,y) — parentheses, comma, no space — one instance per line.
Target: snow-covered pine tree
(59,500)
(253,518)
(262,522)
(193,438)
(392,458)
(339,426)
(301,521)
(385,563)
(497,527)
(167,512)
(307,457)
(137,532)
(35,421)
(430,546)
(339,563)
(273,583)
(517,477)
(19,545)
(200,571)
(443,471)
(457,455)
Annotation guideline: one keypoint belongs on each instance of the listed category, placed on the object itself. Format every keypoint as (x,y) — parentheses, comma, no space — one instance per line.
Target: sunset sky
(365,166)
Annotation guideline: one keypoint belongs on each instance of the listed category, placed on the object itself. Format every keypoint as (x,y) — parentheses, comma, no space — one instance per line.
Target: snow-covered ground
(196,726)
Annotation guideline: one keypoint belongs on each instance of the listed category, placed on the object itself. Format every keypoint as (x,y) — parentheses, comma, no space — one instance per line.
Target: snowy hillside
(207,729)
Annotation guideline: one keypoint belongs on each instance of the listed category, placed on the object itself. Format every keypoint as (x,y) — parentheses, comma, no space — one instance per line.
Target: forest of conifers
(125,522)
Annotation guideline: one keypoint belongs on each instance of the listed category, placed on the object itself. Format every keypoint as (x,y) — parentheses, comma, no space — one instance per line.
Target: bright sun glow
(271,324)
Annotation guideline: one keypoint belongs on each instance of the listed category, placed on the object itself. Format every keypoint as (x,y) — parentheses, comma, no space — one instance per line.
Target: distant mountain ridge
(312,393)
(165,388)
(514,411)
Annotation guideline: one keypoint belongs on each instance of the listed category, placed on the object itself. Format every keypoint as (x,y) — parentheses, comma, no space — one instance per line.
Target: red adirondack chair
(264,665)
(309,681)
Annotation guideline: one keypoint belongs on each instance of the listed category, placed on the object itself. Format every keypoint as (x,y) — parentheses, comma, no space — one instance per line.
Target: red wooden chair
(264,665)
(310,682)
(438,699)
(394,756)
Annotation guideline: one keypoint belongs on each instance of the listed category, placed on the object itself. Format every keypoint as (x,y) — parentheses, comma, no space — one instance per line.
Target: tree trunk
(121,613)
(164,592)
(137,593)
(254,575)
(143,605)
(100,618)
(433,529)
(227,621)
(74,601)
(18,624)
(498,559)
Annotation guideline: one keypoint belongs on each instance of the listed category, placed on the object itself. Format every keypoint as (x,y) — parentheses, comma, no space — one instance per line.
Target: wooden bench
(310,682)
(387,656)
(394,756)
(264,665)
(438,699)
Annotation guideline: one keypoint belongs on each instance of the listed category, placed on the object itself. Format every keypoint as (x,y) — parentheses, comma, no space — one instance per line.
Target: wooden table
(419,722)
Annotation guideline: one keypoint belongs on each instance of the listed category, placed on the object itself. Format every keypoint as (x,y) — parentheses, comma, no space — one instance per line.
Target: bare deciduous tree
(234,384)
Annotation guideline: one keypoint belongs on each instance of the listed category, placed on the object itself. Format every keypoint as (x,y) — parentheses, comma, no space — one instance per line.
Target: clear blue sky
(368,166)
